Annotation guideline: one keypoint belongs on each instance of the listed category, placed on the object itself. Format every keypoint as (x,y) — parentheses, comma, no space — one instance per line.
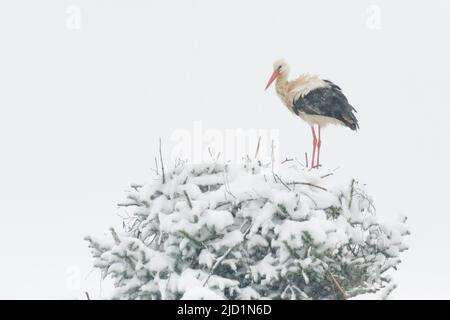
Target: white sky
(81,112)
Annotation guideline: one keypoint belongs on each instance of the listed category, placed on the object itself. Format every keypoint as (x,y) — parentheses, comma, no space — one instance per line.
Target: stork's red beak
(275,75)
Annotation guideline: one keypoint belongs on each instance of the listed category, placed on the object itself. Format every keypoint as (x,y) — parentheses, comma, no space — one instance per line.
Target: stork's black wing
(328,101)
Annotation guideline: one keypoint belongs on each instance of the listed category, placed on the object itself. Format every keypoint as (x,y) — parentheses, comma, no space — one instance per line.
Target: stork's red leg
(314,146)
(319,143)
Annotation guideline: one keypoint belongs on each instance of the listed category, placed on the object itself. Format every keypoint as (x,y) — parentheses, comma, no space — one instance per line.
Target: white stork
(318,102)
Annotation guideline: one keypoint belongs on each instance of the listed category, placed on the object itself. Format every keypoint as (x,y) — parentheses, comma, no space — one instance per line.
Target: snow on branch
(240,231)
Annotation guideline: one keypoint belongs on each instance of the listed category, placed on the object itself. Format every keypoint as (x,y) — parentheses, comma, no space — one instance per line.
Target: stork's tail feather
(351,121)
(353,126)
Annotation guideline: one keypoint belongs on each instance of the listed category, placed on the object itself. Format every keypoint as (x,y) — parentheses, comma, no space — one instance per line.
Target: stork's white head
(280,68)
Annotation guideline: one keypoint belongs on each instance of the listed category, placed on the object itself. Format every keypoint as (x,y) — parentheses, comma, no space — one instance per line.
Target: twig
(387,291)
(155,235)
(330,174)
(286,160)
(210,153)
(156,164)
(304,295)
(129,204)
(288,287)
(117,241)
(87,295)
(115,236)
(188,199)
(213,158)
(282,182)
(307,184)
(336,283)
(300,163)
(136,186)
(257,147)
(226,184)
(351,193)
(162,162)
(272,155)
(310,198)
(306,159)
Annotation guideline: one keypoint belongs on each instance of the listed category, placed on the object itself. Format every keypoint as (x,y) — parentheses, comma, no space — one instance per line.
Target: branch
(272,162)
(188,199)
(136,186)
(156,165)
(162,162)
(257,147)
(219,261)
(387,291)
(129,204)
(338,286)
(226,185)
(351,194)
(115,236)
(282,182)
(307,184)
(286,160)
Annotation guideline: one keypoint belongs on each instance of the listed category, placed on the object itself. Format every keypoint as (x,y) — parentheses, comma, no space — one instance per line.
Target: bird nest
(244,231)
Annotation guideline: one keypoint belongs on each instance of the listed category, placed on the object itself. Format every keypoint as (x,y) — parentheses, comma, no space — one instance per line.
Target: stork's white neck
(282,88)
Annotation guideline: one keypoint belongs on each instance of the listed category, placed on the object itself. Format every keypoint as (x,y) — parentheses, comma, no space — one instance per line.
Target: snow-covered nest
(241,231)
